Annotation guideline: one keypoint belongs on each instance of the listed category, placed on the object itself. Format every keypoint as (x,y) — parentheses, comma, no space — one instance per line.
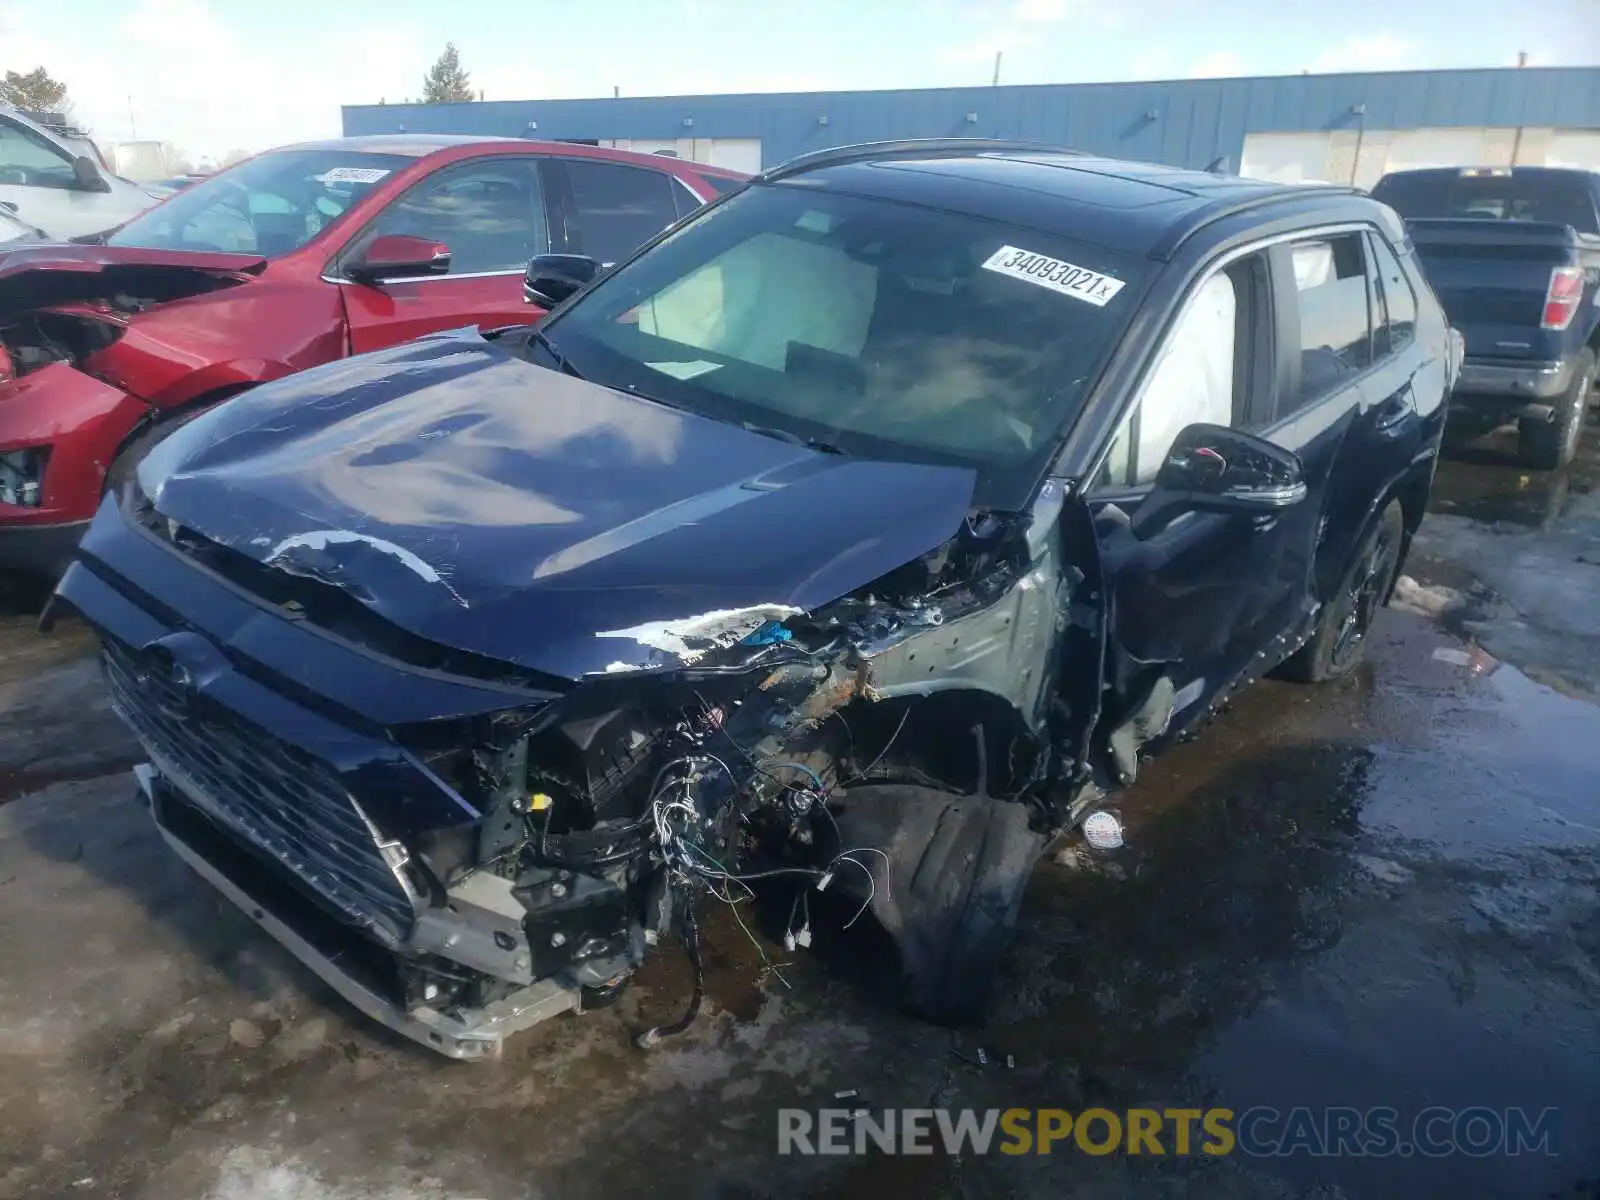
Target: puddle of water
(1484,482)
(1513,769)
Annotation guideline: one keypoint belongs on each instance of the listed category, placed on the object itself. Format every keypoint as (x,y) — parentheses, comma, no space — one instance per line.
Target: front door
(1206,599)
(490,213)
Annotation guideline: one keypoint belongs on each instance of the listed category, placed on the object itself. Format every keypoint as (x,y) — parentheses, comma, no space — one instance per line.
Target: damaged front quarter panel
(1001,644)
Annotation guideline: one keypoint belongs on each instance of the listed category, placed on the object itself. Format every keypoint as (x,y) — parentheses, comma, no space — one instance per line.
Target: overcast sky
(215,75)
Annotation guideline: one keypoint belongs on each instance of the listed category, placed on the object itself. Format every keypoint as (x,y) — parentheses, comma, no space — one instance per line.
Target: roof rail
(1222,209)
(908,148)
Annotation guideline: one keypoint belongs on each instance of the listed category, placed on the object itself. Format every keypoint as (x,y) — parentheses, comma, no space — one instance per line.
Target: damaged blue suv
(861,534)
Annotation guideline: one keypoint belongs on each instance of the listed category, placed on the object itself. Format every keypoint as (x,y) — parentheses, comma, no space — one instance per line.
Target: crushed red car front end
(67,405)
(58,429)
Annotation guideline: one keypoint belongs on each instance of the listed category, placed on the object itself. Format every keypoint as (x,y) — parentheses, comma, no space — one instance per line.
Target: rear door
(1348,409)
(490,212)
(606,209)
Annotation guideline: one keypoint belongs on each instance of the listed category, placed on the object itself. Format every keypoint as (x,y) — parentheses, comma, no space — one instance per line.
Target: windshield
(11,229)
(884,329)
(1564,201)
(270,205)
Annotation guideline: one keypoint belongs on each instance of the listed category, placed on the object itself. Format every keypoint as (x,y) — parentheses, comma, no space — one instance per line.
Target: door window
(614,209)
(1194,380)
(30,161)
(1330,279)
(490,213)
(1397,324)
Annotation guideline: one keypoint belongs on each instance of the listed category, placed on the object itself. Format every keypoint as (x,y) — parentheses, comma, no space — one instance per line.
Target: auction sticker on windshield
(1080,283)
(352,175)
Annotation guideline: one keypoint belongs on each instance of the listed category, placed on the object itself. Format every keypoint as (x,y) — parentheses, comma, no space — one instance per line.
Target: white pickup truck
(47,183)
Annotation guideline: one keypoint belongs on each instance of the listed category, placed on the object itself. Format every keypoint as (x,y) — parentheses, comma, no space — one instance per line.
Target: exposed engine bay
(756,753)
(68,317)
(37,339)
(616,813)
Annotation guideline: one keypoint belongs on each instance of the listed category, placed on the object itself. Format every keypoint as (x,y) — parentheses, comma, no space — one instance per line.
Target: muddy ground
(1377,893)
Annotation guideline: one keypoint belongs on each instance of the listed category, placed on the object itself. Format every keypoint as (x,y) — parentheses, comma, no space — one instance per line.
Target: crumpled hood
(497,507)
(36,275)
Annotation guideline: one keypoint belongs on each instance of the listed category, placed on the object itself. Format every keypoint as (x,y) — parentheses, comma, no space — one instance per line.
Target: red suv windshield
(271,205)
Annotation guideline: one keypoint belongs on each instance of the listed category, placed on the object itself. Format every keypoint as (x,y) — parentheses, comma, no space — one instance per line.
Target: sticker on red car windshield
(352,175)
(1093,287)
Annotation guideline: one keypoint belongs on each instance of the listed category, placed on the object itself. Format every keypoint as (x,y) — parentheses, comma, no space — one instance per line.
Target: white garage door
(1286,157)
(736,154)
(647,145)
(1414,148)
(1575,148)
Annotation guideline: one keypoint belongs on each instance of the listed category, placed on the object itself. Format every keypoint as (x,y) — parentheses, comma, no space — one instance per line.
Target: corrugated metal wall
(1185,122)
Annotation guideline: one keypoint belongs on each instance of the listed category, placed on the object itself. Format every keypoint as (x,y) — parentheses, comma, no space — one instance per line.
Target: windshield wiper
(795,439)
(543,338)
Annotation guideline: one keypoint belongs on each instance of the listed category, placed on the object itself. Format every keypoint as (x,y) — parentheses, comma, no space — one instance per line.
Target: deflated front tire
(957,869)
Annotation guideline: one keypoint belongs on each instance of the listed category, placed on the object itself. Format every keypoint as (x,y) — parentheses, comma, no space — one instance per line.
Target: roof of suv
(1129,206)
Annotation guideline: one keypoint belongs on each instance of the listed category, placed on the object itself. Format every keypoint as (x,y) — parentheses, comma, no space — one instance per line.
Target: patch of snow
(1424,599)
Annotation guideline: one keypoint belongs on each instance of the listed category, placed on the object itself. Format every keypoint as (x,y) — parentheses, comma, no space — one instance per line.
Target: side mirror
(551,278)
(396,256)
(86,176)
(1212,468)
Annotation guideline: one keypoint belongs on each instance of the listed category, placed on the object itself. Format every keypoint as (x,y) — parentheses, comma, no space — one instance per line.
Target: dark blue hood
(497,507)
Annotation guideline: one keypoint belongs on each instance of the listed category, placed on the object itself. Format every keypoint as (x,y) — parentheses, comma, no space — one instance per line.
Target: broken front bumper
(82,422)
(473,1033)
(259,794)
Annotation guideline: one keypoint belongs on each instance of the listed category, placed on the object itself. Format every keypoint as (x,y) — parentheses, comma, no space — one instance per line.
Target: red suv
(294,258)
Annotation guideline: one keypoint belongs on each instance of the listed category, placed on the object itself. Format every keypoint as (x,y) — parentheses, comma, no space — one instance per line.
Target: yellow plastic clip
(540,801)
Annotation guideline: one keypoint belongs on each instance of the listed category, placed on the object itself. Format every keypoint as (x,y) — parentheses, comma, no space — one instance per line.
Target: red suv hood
(35,276)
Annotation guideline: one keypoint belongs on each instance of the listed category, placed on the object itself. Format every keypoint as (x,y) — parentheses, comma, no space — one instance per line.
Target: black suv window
(1330,280)
(613,208)
(488,212)
(1211,367)
(1397,325)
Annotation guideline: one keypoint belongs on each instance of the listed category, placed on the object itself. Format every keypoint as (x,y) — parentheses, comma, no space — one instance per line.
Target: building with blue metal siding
(1356,124)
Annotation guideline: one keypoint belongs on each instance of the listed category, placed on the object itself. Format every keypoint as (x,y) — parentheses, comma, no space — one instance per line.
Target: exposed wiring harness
(676,818)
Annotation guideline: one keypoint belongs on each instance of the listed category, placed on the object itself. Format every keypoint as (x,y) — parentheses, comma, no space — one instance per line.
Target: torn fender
(493,506)
(34,276)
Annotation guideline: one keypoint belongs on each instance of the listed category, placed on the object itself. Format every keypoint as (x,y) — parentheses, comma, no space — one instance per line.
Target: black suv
(850,541)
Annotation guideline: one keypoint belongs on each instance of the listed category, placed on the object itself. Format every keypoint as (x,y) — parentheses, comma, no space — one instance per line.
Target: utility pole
(998,55)
(1516,141)
(133,129)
